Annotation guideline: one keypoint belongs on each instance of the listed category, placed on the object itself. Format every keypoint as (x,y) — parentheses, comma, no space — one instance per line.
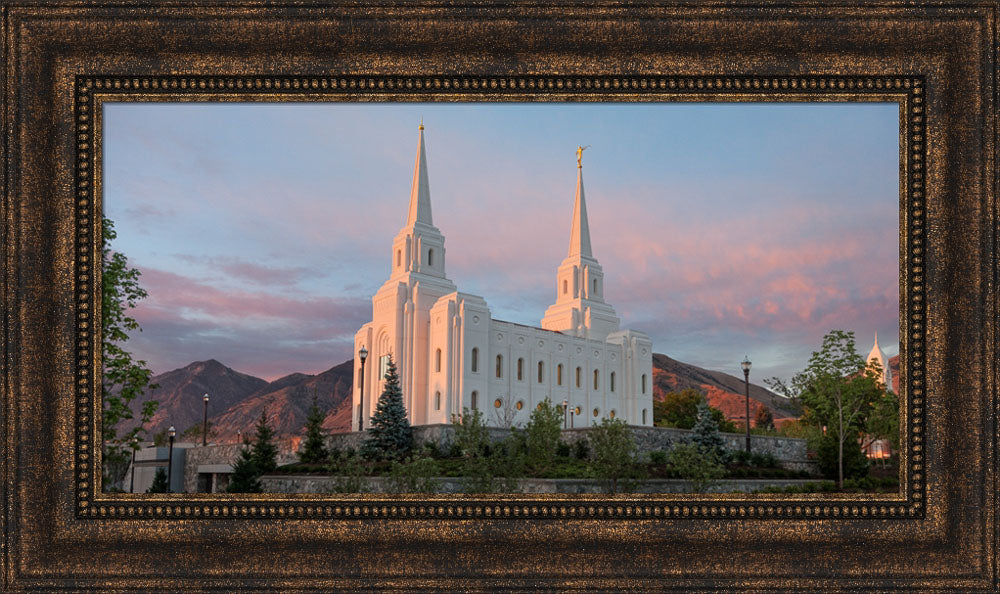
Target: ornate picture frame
(63,60)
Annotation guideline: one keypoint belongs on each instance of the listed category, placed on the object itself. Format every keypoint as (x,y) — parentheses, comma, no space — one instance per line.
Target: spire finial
(579,155)
(421,123)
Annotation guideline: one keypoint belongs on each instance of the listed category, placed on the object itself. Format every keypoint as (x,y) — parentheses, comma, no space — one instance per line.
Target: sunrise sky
(724,230)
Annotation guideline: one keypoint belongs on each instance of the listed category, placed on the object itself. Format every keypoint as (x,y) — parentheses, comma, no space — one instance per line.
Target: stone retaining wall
(325,484)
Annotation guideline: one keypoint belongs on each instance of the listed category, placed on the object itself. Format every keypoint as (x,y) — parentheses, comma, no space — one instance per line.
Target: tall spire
(579,238)
(420,194)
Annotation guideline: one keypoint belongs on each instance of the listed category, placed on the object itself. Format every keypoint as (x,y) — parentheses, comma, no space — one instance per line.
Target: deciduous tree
(124,378)
(837,391)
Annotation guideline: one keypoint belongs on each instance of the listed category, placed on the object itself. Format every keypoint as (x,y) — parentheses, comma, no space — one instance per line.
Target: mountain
(287,401)
(723,391)
(180,393)
(237,399)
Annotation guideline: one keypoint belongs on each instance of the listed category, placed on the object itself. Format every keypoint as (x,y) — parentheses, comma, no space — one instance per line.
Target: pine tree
(390,435)
(263,452)
(706,433)
(159,482)
(314,447)
(245,477)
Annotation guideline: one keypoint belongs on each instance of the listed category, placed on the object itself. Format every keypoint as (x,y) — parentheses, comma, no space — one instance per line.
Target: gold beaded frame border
(908,91)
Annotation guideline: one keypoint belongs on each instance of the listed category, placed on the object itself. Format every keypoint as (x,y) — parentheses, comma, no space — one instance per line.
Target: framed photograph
(339,320)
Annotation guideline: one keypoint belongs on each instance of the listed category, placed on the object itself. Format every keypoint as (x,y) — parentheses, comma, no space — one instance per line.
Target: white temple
(451,354)
(879,355)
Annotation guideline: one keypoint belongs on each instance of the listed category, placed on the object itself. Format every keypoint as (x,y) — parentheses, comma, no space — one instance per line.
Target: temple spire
(579,238)
(420,194)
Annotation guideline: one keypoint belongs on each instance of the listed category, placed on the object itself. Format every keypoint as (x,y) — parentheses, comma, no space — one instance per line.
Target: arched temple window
(612,381)
(430,257)
(541,367)
(475,359)
(578,377)
(520,369)
(437,360)
(559,374)
(597,380)
(499,365)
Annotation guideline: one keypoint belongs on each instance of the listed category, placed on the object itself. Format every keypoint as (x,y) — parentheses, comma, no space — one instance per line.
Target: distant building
(451,354)
(877,354)
(149,459)
(880,448)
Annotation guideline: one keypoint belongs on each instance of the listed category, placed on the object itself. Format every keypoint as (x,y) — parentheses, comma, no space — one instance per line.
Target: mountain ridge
(237,399)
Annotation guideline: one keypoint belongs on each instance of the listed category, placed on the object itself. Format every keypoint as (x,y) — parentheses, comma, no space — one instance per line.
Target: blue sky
(262,230)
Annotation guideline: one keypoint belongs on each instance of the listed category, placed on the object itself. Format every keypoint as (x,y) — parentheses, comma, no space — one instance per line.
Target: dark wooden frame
(938,61)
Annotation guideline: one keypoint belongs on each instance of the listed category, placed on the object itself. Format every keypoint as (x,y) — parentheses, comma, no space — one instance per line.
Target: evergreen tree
(706,433)
(245,474)
(263,452)
(313,448)
(390,435)
(159,482)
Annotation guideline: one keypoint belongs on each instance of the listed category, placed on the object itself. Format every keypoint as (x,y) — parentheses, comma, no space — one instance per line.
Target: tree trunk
(840,443)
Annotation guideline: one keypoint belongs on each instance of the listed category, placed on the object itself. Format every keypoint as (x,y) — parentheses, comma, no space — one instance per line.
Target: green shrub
(416,475)
(855,461)
(540,436)
(614,459)
(581,449)
(563,450)
(658,457)
(350,471)
(692,463)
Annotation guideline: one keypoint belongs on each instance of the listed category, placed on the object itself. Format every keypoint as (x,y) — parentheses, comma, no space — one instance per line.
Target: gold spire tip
(421,123)
(579,155)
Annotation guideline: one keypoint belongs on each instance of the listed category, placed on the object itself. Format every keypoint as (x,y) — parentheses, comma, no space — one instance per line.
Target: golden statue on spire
(579,155)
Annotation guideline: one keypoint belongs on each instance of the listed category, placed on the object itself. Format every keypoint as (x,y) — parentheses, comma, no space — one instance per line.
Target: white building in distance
(883,361)
(451,354)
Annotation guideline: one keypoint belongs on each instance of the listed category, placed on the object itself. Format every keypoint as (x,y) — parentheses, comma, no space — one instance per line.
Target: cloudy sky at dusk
(724,230)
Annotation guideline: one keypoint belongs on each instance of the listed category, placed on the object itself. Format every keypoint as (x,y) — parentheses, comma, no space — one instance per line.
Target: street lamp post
(363,353)
(570,418)
(746,384)
(170,456)
(565,414)
(131,486)
(204,423)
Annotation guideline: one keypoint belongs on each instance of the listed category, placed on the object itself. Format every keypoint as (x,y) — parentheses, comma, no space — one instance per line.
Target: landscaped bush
(855,462)
(692,463)
(615,455)
(563,450)
(658,457)
(581,449)
(416,475)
